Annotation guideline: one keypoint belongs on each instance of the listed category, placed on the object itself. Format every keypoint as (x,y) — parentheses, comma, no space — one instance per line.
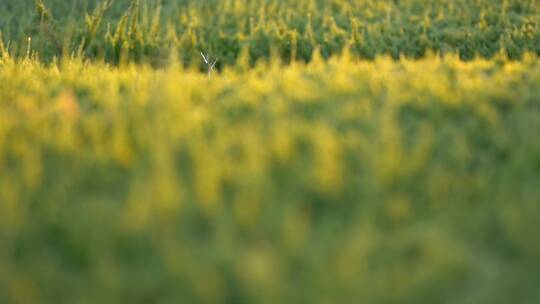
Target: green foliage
(347,151)
(149,30)
(335,182)
(93,22)
(43,12)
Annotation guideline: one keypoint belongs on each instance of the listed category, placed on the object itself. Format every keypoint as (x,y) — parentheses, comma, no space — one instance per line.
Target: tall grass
(343,152)
(341,181)
(150,30)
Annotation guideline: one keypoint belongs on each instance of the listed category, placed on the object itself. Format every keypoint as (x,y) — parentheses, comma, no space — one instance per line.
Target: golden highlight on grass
(384,181)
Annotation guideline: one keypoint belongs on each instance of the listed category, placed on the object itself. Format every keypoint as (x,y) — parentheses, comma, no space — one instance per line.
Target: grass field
(342,151)
(152,30)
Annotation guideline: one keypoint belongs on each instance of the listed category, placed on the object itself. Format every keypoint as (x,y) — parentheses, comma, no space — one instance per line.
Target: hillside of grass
(152,31)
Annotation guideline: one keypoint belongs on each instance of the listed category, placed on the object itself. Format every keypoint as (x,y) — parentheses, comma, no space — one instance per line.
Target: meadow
(342,151)
(152,30)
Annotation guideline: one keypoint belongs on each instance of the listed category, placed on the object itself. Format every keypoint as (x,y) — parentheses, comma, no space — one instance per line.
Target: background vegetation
(149,30)
(345,152)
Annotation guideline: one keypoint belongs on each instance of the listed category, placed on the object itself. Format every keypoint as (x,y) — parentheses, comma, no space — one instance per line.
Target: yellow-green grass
(340,181)
(150,30)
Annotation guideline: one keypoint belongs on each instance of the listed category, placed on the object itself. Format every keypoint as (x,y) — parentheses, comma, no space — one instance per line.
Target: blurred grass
(345,151)
(337,181)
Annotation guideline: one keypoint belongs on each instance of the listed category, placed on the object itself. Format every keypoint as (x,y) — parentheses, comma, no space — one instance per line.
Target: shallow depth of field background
(341,152)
